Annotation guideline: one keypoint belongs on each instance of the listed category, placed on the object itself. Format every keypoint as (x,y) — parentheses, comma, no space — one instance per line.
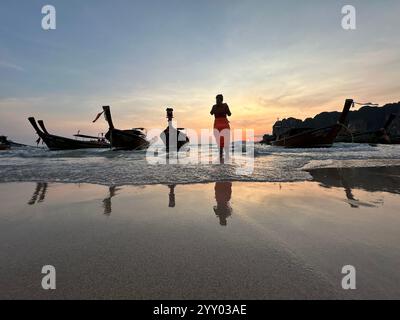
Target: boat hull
(54,142)
(61,143)
(133,139)
(375,137)
(315,138)
(181,138)
(125,140)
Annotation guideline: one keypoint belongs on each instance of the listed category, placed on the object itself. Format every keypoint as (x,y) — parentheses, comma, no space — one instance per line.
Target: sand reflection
(39,194)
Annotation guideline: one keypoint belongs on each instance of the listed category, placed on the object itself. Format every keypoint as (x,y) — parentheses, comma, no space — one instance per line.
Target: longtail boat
(174,139)
(311,137)
(131,139)
(54,142)
(380,136)
(4,143)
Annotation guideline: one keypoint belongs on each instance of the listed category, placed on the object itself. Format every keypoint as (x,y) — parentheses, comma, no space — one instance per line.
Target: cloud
(8,65)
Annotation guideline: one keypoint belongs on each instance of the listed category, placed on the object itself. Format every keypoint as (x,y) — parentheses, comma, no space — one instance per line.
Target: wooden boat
(132,139)
(54,142)
(176,134)
(380,136)
(313,137)
(4,143)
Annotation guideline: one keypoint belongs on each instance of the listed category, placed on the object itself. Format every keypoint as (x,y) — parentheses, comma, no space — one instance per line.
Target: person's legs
(219,139)
(225,138)
(227,143)
(222,137)
(221,152)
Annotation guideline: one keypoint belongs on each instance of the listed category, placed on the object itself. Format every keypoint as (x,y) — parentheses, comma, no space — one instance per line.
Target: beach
(199,158)
(214,240)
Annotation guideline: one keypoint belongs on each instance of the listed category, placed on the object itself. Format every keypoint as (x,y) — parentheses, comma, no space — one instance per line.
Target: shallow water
(195,165)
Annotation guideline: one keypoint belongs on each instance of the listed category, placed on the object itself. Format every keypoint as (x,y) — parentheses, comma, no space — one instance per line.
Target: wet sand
(221,240)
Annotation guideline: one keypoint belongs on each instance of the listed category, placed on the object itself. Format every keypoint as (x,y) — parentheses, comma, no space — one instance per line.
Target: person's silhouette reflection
(107,201)
(223,193)
(347,189)
(39,194)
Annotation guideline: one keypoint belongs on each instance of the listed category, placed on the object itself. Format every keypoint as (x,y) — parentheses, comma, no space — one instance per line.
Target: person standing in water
(221,125)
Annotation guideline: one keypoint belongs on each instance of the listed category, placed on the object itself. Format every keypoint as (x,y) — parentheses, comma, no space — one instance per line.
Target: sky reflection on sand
(216,240)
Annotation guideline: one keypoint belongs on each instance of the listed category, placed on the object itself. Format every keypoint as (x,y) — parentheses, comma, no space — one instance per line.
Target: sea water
(107,167)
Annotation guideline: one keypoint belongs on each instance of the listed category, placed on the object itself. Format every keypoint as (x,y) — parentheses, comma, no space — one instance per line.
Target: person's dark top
(220,110)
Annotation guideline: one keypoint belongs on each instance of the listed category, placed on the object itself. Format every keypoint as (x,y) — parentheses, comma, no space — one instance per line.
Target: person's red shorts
(221,124)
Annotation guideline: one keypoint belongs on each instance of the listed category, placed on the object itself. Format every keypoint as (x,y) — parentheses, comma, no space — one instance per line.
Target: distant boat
(311,137)
(380,136)
(54,142)
(181,138)
(131,139)
(6,144)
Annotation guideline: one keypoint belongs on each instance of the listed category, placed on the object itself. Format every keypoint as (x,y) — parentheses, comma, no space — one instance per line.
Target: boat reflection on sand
(39,194)
(171,195)
(373,179)
(107,205)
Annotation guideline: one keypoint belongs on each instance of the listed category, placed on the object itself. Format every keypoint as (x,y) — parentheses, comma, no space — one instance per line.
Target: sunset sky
(270,59)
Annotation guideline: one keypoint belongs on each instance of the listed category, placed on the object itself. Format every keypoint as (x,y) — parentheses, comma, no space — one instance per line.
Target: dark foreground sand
(207,241)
